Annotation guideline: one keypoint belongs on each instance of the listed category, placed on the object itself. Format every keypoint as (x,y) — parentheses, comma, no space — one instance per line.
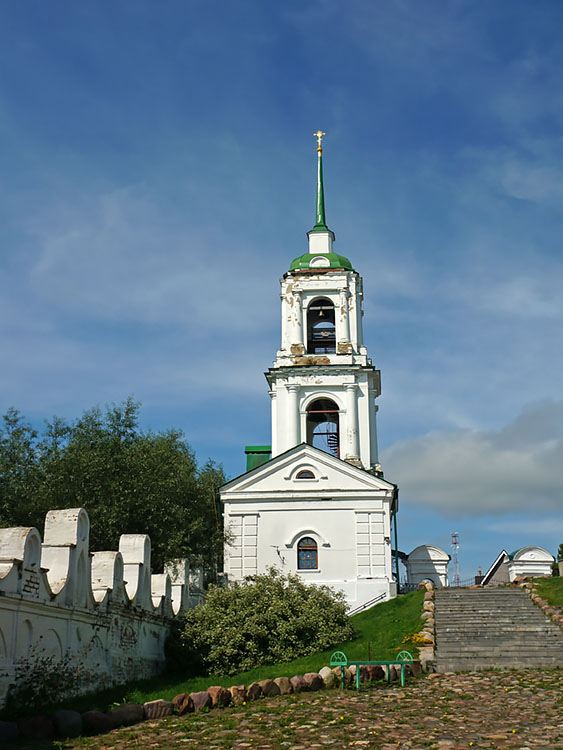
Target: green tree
(129,481)
(266,619)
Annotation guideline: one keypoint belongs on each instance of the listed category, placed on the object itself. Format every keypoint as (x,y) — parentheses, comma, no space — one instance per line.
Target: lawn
(380,634)
(551,589)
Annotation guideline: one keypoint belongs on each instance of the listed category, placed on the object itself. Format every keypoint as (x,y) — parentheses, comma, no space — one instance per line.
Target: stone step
(474,665)
(480,629)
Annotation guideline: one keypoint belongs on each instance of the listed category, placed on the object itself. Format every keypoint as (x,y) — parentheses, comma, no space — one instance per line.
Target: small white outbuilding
(427,563)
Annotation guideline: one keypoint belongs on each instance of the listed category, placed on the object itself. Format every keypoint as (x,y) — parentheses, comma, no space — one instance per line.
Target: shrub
(266,619)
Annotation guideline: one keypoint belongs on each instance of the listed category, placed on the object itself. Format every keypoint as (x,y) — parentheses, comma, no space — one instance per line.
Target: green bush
(266,619)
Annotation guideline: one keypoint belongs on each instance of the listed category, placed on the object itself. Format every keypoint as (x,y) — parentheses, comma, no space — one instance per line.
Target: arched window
(321,333)
(307,554)
(304,474)
(322,426)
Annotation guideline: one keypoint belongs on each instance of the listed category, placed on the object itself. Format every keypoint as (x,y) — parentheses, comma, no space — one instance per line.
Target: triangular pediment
(291,471)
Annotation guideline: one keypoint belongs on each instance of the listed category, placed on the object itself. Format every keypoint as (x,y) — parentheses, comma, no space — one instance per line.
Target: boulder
(428,595)
(238,694)
(375,672)
(127,714)
(183,704)
(201,700)
(158,709)
(36,727)
(348,678)
(428,606)
(67,723)
(298,684)
(415,667)
(220,696)
(8,731)
(394,672)
(254,691)
(96,722)
(314,680)
(269,688)
(284,685)
(327,676)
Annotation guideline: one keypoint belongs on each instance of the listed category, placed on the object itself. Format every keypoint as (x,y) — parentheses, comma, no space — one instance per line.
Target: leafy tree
(266,619)
(129,481)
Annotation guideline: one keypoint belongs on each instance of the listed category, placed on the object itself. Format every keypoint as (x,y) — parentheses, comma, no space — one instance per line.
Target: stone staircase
(497,627)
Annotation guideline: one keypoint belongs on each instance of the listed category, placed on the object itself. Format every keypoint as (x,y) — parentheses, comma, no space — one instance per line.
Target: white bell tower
(323,385)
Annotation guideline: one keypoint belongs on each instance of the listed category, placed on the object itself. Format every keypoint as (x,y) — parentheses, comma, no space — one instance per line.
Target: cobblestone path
(513,709)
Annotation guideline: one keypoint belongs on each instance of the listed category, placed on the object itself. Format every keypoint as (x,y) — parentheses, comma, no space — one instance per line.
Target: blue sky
(159,169)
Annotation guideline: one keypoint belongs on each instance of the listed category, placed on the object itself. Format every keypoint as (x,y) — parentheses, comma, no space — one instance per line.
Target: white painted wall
(345,509)
(103,612)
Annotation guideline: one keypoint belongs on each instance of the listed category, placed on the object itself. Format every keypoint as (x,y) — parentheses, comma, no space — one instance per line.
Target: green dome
(308,260)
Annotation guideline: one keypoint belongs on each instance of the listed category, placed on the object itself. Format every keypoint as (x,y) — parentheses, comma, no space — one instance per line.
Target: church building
(315,502)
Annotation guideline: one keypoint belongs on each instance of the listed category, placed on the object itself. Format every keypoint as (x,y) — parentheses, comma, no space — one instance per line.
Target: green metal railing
(339,659)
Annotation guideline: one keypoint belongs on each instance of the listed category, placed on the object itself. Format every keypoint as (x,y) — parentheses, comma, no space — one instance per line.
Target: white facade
(323,388)
(345,510)
(427,563)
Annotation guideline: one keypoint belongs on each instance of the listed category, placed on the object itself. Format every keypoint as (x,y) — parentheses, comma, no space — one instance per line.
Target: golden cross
(319,136)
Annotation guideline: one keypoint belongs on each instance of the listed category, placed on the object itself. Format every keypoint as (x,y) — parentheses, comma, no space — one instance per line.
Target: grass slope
(551,589)
(384,628)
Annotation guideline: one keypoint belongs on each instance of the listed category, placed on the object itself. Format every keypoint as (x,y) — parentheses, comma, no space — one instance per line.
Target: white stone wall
(102,612)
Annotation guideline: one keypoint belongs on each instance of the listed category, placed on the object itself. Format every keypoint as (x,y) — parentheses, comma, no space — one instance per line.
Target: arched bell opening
(321,330)
(323,426)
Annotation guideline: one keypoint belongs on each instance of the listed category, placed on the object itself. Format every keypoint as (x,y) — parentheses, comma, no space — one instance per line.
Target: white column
(344,316)
(274,403)
(284,342)
(298,305)
(373,409)
(352,448)
(292,416)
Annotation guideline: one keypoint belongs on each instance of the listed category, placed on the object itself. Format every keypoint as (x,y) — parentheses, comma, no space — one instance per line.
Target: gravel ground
(511,709)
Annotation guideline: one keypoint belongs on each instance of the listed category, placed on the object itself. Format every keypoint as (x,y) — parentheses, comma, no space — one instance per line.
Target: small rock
(416,667)
(254,691)
(201,700)
(314,680)
(9,730)
(67,723)
(183,704)
(298,684)
(348,678)
(238,694)
(220,696)
(269,688)
(158,709)
(284,685)
(36,727)
(327,676)
(375,672)
(126,714)
(96,722)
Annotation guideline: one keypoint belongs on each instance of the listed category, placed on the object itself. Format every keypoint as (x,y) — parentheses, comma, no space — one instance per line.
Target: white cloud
(551,525)
(468,472)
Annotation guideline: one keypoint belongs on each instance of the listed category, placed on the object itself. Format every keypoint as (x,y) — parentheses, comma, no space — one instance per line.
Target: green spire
(320,220)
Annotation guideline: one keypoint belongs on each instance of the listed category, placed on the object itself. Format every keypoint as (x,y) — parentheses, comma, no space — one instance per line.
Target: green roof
(335,260)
